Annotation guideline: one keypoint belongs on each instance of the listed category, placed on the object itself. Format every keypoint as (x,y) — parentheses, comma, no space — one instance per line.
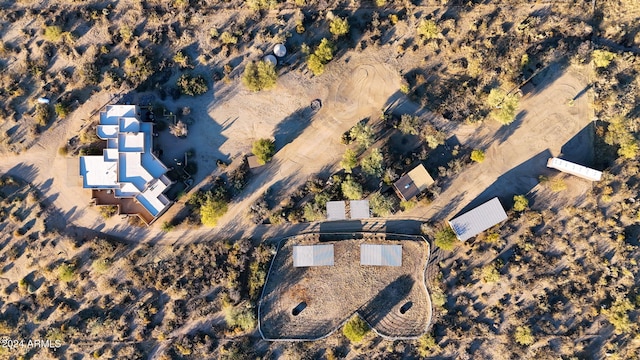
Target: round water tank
(280,50)
(270,58)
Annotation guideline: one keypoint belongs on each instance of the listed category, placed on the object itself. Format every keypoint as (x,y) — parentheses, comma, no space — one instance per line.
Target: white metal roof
(574,169)
(381,255)
(336,210)
(312,255)
(127,165)
(359,209)
(270,58)
(478,220)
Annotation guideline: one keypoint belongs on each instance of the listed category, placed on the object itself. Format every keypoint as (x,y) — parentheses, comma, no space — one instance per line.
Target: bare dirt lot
(331,294)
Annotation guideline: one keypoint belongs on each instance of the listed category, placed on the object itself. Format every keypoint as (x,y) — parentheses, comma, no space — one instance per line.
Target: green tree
(339,26)
(62,110)
(619,134)
(362,134)
(260,75)
(372,164)
(43,114)
(355,329)
(351,189)
(228,38)
(523,335)
(602,58)
(504,106)
(520,203)
(264,149)
(618,316)
(427,345)
(446,239)
(381,205)
(477,155)
(428,29)
(349,160)
(192,85)
(320,57)
(409,124)
(212,209)
(433,136)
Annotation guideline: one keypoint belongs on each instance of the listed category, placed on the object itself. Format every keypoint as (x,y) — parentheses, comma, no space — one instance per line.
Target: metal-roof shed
(574,169)
(359,209)
(312,255)
(413,183)
(336,210)
(478,220)
(381,255)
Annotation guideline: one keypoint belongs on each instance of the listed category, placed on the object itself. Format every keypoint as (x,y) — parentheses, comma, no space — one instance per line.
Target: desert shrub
(428,29)
(520,203)
(63,150)
(264,149)
(260,75)
(438,297)
(228,38)
(407,205)
(108,211)
(320,57)
(212,209)
(62,110)
(313,212)
(489,273)
(126,34)
(477,155)
(179,129)
(504,106)
(101,265)
(381,205)
(235,317)
(427,345)
(557,185)
(523,335)
(43,114)
(372,164)
(181,59)
(192,85)
(137,69)
(618,133)
(362,134)
(433,136)
(355,329)
(602,58)
(167,226)
(409,124)
(349,160)
(351,189)
(339,26)
(618,316)
(381,2)
(446,239)
(66,272)
(53,33)
(257,5)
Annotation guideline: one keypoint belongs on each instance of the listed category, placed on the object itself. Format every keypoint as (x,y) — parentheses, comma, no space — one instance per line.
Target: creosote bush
(520,203)
(523,335)
(66,272)
(428,29)
(259,75)
(602,58)
(504,106)
(339,26)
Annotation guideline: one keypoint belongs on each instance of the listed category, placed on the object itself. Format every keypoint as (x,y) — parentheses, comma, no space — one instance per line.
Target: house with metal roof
(478,220)
(127,174)
(574,169)
(413,183)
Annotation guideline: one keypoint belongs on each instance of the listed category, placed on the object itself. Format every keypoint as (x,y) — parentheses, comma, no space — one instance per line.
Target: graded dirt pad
(393,300)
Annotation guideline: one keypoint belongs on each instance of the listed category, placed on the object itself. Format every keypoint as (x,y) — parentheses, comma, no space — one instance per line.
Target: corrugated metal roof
(336,210)
(478,220)
(574,169)
(381,255)
(312,255)
(359,209)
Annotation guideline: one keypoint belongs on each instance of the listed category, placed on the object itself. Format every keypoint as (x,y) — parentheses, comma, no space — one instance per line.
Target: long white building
(574,169)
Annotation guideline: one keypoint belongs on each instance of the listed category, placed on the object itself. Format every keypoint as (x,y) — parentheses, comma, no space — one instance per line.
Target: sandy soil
(376,293)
